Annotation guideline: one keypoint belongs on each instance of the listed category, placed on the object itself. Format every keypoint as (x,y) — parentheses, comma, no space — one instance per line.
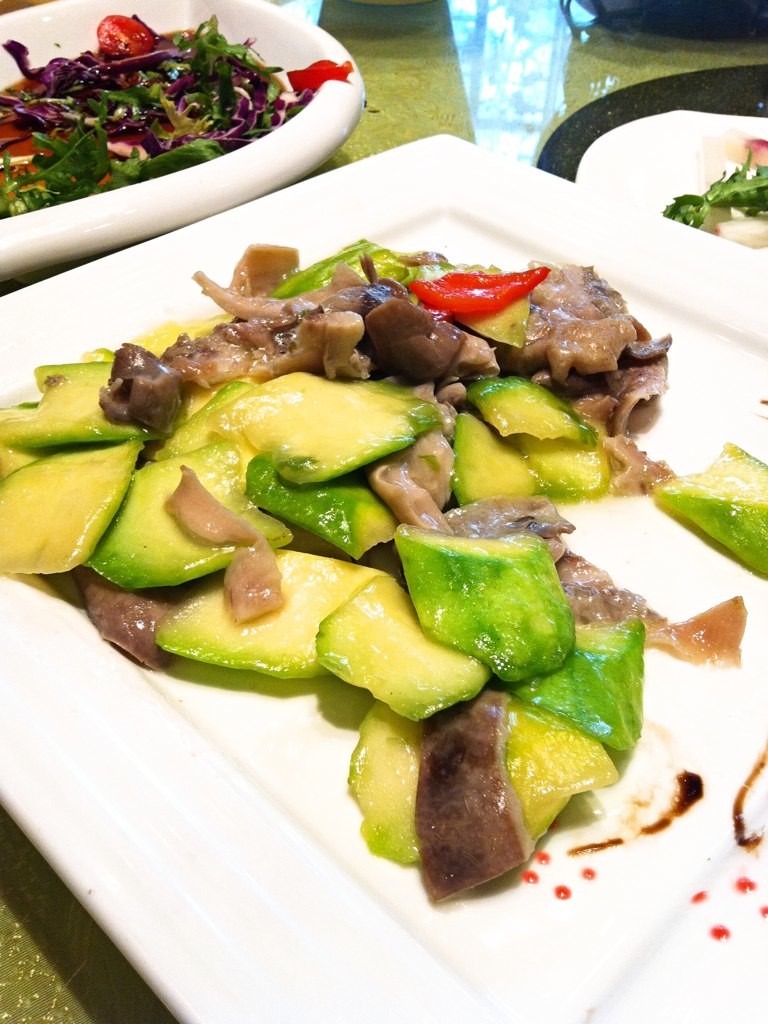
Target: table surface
(504,74)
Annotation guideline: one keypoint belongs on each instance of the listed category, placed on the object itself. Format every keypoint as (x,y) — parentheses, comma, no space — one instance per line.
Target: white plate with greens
(651,161)
(203,817)
(62,234)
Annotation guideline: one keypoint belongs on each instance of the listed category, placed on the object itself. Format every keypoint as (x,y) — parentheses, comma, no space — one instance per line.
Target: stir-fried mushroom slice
(594,597)
(468,816)
(141,390)
(253,582)
(203,515)
(416,483)
(276,313)
(496,518)
(325,343)
(262,267)
(712,636)
(409,341)
(128,619)
(579,328)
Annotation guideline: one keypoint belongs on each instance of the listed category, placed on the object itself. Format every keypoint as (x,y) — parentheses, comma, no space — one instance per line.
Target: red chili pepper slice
(312,77)
(477,291)
(121,36)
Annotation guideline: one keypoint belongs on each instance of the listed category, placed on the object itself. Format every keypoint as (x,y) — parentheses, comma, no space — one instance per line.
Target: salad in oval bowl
(124,172)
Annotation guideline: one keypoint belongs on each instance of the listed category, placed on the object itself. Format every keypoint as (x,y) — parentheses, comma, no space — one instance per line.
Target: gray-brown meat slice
(468,816)
(128,619)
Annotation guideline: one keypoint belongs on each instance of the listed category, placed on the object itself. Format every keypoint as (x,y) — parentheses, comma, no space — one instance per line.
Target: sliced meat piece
(142,390)
(632,384)
(577,322)
(201,514)
(594,597)
(230,351)
(632,470)
(468,817)
(711,637)
(253,582)
(416,483)
(128,619)
(496,518)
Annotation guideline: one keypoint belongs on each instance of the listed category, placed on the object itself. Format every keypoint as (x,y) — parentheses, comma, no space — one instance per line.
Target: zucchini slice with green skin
(375,641)
(499,601)
(54,510)
(279,643)
(728,502)
(68,411)
(488,466)
(516,405)
(383,775)
(317,429)
(344,511)
(599,687)
(146,546)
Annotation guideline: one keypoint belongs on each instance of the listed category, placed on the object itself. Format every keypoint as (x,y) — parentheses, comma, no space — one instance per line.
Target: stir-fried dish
(355,469)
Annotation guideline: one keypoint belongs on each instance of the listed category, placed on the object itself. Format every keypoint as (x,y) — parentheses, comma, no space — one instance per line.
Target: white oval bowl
(73,231)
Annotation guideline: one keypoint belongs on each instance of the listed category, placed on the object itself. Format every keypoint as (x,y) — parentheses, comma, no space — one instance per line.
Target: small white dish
(61,235)
(203,816)
(651,161)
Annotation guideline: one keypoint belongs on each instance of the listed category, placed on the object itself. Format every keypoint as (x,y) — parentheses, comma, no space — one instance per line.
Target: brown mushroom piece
(408,341)
(416,483)
(142,390)
(712,636)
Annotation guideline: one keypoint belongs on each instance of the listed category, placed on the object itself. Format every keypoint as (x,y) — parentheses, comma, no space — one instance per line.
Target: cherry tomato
(312,77)
(121,36)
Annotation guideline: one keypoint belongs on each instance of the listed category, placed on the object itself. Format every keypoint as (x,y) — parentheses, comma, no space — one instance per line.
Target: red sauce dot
(562,892)
(543,857)
(589,874)
(699,897)
(720,933)
(530,877)
(745,884)
(764,911)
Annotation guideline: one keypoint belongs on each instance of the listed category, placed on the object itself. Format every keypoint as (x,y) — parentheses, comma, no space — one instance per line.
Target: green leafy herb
(743,190)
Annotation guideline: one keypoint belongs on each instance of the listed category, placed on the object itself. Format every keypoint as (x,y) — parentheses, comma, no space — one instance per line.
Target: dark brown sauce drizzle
(690,789)
(578,851)
(748,840)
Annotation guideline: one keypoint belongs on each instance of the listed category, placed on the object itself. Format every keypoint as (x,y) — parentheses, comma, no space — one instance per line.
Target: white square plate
(204,818)
(112,220)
